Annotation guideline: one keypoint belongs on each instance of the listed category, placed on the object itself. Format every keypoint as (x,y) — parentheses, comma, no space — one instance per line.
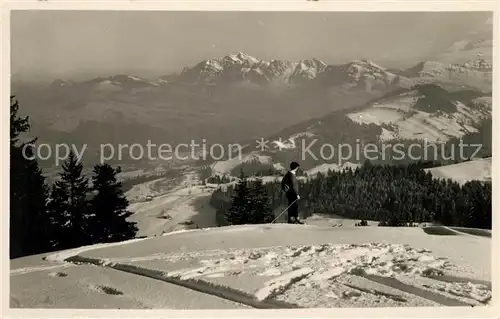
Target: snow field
(479,169)
(326,272)
(307,266)
(94,287)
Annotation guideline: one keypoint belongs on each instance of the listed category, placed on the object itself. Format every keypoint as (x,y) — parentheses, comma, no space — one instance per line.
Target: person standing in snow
(291,188)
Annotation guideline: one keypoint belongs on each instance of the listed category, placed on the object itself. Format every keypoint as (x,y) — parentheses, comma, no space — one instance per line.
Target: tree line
(394,195)
(74,211)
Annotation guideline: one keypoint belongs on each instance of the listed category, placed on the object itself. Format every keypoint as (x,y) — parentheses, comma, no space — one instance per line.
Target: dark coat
(289,185)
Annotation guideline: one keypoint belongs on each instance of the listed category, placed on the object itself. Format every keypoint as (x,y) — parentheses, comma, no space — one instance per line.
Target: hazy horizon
(79,44)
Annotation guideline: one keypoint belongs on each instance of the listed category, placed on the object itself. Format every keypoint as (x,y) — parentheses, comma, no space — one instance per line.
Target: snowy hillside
(427,113)
(365,75)
(423,112)
(479,169)
(411,115)
(474,73)
(263,266)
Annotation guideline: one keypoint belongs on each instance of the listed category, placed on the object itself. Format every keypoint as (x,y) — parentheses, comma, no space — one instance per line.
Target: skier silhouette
(291,188)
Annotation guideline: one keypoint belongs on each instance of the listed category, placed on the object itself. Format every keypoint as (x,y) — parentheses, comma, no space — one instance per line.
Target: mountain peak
(241,57)
(307,70)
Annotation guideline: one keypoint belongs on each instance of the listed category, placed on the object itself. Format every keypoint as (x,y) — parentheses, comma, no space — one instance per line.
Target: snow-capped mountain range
(243,67)
(361,74)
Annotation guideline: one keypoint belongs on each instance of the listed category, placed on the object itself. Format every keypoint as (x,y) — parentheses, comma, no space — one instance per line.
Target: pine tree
(68,205)
(29,223)
(258,201)
(57,208)
(108,222)
(238,213)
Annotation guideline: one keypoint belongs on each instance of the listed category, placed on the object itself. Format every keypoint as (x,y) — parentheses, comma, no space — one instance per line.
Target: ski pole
(284,211)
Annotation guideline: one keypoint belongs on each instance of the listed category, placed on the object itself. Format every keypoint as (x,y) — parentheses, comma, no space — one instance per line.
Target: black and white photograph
(224,160)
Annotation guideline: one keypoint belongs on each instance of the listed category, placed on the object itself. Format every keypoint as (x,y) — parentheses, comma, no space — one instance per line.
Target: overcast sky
(75,44)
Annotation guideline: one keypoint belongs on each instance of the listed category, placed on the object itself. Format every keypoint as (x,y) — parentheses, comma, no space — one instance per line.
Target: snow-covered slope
(182,208)
(421,114)
(474,73)
(479,169)
(300,266)
(365,75)
(479,68)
